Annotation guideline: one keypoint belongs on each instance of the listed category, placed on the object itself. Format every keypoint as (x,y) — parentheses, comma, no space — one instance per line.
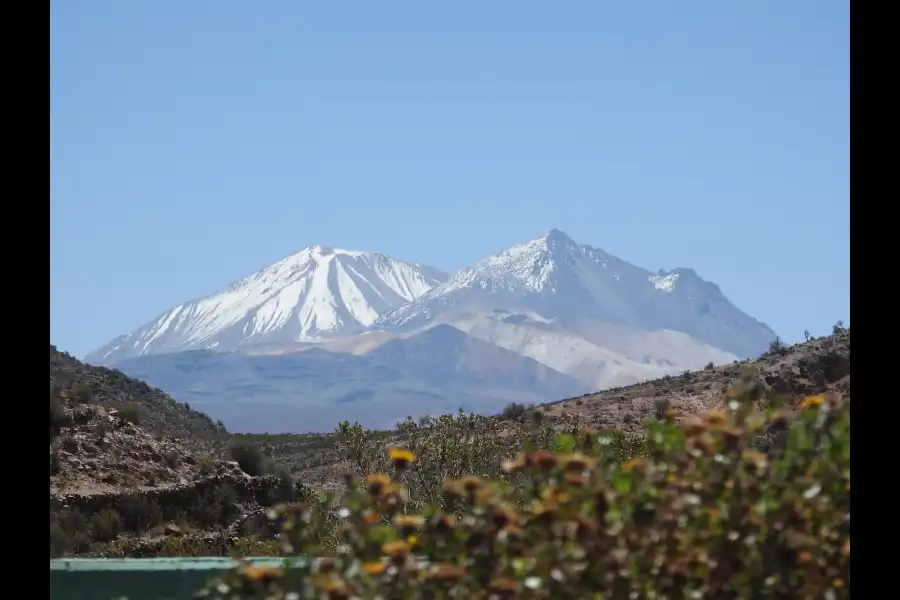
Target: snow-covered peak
(315,293)
(529,267)
(570,283)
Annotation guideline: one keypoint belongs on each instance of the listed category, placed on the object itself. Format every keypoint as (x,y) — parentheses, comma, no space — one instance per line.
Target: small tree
(777,347)
(661,405)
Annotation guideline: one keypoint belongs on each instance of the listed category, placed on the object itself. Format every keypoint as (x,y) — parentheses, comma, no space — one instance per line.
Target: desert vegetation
(751,499)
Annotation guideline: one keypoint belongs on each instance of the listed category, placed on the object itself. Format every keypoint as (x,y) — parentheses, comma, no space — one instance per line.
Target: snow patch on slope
(664,283)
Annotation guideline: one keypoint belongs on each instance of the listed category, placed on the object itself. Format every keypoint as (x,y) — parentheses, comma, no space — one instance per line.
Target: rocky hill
(130,473)
(118,490)
(75,382)
(816,366)
(812,367)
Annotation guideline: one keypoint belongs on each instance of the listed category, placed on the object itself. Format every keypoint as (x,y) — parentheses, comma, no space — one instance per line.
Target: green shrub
(248,457)
(58,416)
(106,525)
(130,413)
(218,546)
(702,514)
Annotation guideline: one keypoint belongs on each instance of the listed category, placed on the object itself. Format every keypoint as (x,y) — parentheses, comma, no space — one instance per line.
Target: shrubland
(751,500)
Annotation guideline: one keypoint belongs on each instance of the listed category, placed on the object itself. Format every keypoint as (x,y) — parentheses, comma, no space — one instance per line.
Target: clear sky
(192,143)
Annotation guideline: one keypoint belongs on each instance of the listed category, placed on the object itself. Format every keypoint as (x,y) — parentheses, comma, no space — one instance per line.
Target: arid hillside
(77,382)
(812,367)
(131,473)
(815,366)
(134,473)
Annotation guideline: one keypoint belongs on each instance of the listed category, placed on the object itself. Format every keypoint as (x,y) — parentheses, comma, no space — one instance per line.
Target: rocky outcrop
(246,490)
(815,366)
(100,450)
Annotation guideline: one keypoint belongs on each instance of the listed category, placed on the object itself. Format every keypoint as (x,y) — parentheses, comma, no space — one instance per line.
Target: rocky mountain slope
(319,291)
(75,382)
(813,367)
(117,489)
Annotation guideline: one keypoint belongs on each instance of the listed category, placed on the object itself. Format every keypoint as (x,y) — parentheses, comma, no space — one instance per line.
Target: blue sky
(192,143)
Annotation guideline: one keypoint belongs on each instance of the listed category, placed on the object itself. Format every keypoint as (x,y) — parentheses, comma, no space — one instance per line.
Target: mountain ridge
(555,277)
(313,389)
(586,315)
(318,291)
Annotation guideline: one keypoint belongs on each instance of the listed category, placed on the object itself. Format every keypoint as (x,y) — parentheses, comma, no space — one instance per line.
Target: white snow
(665,283)
(572,307)
(576,286)
(317,293)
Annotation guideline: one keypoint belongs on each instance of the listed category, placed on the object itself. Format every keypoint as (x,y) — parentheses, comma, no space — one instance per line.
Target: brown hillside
(819,365)
(130,473)
(159,413)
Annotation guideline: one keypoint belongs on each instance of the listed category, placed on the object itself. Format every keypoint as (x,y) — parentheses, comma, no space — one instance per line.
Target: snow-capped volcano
(315,293)
(576,286)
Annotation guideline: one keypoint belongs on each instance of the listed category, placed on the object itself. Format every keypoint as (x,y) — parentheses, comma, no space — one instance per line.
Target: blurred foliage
(748,501)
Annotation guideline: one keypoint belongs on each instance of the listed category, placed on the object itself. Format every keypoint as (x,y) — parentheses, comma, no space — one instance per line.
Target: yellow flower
(576,479)
(337,589)
(715,417)
(503,516)
(630,465)
(812,401)
(545,512)
(838,583)
(545,460)
(466,485)
(401,457)
(578,462)
(373,567)
(408,523)
(695,425)
(756,459)
(396,548)
(262,573)
(378,483)
(370,517)
(555,494)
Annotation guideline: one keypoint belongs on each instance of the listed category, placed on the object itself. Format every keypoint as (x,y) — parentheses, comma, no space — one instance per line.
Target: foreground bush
(704,514)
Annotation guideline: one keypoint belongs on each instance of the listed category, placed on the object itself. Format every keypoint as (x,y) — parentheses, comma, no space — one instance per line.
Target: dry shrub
(703,514)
